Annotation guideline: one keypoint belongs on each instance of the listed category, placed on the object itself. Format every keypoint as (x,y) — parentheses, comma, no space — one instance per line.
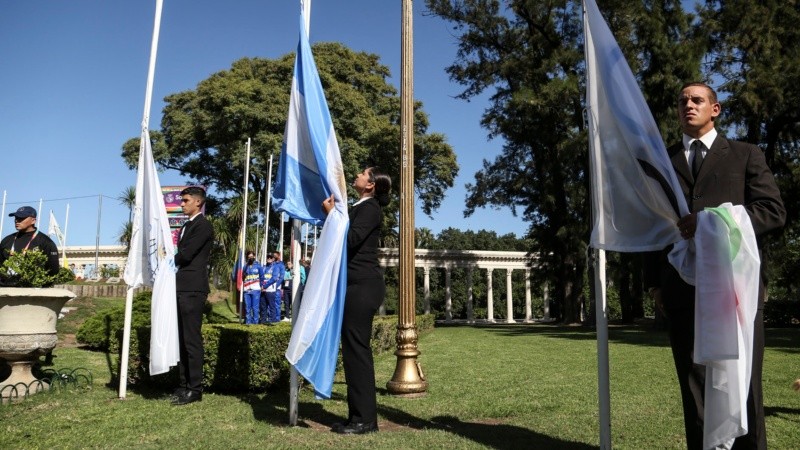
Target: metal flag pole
(265,242)
(97,235)
(3,214)
(601,306)
(39,218)
(294,376)
(126,334)
(243,233)
(305,242)
(64,245)
(280,240)
(408,380)
(257,248)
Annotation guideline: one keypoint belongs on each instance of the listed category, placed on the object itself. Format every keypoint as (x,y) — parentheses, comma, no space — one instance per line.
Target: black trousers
(692,382)
(362,300)
(190,319)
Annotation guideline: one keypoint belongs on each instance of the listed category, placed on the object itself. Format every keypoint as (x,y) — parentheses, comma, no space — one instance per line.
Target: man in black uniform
(28,237)
(191,282)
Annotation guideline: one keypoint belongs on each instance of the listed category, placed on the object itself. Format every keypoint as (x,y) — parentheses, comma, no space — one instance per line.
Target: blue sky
(73,80)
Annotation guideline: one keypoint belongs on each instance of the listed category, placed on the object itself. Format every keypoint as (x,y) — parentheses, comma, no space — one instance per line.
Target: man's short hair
(712,94)
(195,191)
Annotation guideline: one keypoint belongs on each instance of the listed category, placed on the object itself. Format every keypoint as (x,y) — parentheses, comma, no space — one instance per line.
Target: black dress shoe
(188,397)
(178,392)
(356,428)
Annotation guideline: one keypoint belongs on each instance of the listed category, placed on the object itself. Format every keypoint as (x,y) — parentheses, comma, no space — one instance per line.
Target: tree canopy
(204,130)
(530,56)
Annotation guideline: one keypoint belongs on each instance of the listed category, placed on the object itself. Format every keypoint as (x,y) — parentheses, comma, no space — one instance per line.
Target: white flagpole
(265,243)
(64,245)
(126,338)
(294,377)
(39,218)
(601,307)
(305,242)
(257,248)
(243,234)
(280,239)
(3,214)
(97,235)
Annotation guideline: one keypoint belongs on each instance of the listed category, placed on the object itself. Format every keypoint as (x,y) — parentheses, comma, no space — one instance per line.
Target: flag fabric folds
(636,196)
(726,265)
(54,230)
(151,260)
(311,170)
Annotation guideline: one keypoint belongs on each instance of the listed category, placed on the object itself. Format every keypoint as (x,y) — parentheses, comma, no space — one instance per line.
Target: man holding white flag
(713,170)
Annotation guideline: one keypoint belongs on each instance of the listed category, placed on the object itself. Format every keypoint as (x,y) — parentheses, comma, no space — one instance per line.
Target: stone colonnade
(472,260)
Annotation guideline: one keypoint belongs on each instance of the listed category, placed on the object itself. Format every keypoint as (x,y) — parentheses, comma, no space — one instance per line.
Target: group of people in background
(267,288)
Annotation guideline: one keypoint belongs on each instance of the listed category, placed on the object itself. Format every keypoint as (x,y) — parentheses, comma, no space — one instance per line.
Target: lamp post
(408,379)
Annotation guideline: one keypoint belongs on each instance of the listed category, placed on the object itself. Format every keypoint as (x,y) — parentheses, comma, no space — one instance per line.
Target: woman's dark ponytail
(383,185)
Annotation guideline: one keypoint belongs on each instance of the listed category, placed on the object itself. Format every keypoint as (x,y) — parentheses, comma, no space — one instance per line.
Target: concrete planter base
(28,318)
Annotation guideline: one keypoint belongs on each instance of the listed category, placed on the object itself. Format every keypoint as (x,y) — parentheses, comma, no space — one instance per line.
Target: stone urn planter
(28,319)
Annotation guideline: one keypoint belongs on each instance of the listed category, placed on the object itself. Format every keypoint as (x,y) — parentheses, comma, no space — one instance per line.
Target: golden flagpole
(408,379)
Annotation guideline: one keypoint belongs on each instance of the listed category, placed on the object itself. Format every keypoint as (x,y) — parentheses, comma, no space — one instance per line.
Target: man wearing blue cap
(28,237)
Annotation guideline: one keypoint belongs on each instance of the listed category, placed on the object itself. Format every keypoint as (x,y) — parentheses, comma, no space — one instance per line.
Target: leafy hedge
(247,357)
(98,331)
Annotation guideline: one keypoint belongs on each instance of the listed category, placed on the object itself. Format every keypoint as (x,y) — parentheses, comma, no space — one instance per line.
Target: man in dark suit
(191,281)
(713,170)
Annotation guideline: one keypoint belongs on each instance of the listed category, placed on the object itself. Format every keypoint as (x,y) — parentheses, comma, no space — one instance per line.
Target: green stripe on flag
(735,234)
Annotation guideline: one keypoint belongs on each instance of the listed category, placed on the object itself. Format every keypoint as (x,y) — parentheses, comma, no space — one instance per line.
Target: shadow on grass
(790,414)
(490,433)
(274,410)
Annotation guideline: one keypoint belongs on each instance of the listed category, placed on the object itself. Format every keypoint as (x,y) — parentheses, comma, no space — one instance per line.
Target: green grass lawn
(531,386)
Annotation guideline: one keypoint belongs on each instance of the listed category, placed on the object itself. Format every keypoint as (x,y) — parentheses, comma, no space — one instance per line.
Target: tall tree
(755,60)
(204,130)
(529,55)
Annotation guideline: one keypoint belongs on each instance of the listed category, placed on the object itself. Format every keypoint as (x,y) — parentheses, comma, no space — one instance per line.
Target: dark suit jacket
(734,172)
(192,257)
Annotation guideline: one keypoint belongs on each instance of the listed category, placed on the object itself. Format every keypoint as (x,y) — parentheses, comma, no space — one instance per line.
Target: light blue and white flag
(151,260)
(636,196)
(310,171)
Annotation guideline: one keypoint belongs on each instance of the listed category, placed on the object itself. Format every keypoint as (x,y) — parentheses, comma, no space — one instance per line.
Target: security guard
(29,237)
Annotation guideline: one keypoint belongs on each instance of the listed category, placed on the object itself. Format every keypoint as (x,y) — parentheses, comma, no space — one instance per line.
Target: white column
(489,300)
(546,299)
(528,312)
(427,289)
(448,300)
(470,314)
(509,299)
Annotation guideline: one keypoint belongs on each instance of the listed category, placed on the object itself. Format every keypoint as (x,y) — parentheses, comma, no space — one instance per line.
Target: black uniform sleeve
(365,219)
(50,249)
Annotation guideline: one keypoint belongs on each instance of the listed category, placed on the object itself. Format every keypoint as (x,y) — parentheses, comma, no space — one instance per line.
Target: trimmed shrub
(98,331)
(246,357)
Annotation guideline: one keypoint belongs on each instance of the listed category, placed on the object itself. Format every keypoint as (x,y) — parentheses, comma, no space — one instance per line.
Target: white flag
(54,230)
(151,260)
(637,198)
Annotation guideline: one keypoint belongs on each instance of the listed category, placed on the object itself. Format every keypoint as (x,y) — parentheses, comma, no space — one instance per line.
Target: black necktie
(697,160)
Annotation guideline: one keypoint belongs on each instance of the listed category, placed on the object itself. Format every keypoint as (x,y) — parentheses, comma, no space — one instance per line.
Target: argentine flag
(310,171)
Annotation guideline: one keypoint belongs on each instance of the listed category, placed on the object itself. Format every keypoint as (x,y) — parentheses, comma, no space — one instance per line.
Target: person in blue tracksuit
(273,280)
(252,279)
